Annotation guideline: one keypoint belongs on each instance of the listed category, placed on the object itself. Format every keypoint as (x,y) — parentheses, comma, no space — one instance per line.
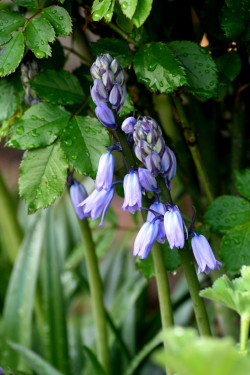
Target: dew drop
(74,157)
(124,5)
(68,142)
(152,67)
(39,54)
(20,130)
(96,16)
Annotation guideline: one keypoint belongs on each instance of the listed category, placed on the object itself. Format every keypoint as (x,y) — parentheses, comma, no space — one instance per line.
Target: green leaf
(39,365)
(242,182)
(188,354)
(234,18)
(100,8)
(53,304)
(59,19)
(17,316)
(142,12)
(38,34)
(39,126)
(128,7)
(11,54)
(108,16)
(83,142)
(227,211)
(42,176)
(27,3)
(228,66)
(115,47)
(234,294)
(9,21)
(199,66)
(156,66)
(59,87)
(234,250)
(171,261)
(95,364)
(128,106)
(9,99)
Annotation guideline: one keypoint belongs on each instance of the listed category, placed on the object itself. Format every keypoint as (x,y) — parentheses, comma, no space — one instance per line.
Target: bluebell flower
(97,204)
(203,254)
(161,209)
(132,192)
(148,182)
(128,125)
(174,227)
(105,172)
(169,175)
(145,239)
(105,116)
(153,163)
(77,194)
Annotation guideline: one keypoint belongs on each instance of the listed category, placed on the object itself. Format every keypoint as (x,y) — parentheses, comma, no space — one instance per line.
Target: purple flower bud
(173,224)
(172,171)
(132,192)
(77,195)
(203,254)
(119,77)
(100,89)
(145,239)
(148,182)
(105,116)
(115,96)
(94,71)
(115,66)
(128,125)
(97,203)
(2,371)
(105,172)
(161,209)
(153,163)
(108,79)
(166,161)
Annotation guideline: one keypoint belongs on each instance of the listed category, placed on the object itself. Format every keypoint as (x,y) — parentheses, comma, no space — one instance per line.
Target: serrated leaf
(11,54)
(8,99)
(38,34)
(59,19)
(234,294)
(115,47)
(27,3)
(234,249)
(83,142)
(156,66)
(39,126)
(128,7)
(20,295)
(242,182)
(38,364)
(9,21)
(108,16)
(42,176)
(59,87)
(171,261)
(188,354)
(201,71)
(142,12)
(100,8)
(95,364)
(226,212)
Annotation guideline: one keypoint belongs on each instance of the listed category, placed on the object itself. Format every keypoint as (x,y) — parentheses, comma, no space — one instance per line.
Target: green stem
(96,292)
(121,33)
(11,230)
(244,330)
(192,145)
(194,289)
(83,58)
(191,277)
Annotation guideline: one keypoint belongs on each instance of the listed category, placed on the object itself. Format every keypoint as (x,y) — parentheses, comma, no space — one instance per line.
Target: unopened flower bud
(108,79)
(153,163)
(128,125)
(105,116)
(78,194)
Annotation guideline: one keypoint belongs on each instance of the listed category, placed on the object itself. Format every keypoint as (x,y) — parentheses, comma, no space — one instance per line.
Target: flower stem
(96,292)
(244,330)
(192,145)
(194,289)
(121,33)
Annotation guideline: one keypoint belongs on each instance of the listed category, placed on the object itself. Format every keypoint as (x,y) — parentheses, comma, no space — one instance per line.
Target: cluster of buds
(109,89)
(28,72)
(164,221)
